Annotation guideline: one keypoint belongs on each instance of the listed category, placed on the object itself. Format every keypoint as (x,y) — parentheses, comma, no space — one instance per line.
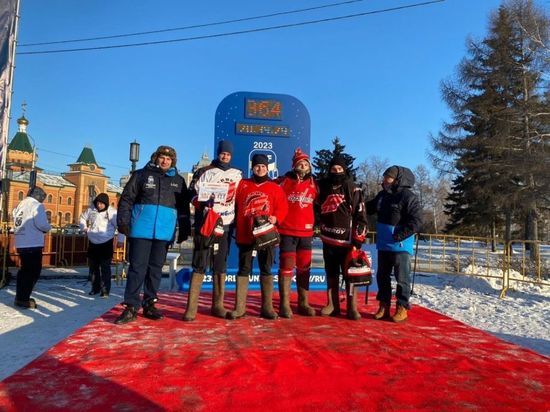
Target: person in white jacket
(99,223)
(30,226)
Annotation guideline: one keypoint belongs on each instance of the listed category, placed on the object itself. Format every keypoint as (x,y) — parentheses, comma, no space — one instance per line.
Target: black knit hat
(392,172)
(260,159)
(225,146)
(338,160)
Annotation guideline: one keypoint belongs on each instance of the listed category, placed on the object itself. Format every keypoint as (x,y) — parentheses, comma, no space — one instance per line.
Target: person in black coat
(398,220)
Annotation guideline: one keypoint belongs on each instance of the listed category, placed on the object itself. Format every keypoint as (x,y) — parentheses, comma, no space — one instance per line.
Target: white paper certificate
(218,190)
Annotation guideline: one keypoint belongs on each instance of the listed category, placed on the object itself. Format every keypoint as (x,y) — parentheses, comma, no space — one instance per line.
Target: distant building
(67,194)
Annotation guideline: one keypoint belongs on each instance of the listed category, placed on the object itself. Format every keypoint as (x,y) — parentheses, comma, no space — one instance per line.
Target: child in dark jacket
(343,227)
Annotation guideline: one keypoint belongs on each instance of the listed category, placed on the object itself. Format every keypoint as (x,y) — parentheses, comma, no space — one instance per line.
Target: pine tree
(323,157)
(495,143)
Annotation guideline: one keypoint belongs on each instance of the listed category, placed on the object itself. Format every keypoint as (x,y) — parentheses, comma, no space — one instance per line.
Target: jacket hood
(405,178)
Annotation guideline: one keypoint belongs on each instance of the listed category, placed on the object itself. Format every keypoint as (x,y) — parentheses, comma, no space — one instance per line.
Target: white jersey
(231,177)
(99,226)
(30,223)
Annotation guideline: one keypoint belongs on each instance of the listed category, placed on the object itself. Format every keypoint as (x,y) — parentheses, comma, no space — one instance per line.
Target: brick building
(68,193)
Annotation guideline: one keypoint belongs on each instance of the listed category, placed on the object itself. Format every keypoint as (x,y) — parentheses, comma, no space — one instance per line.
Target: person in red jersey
(297,234)
(343,227)
(258,199)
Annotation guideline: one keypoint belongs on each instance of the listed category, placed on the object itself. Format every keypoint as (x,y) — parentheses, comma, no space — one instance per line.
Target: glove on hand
(124,229)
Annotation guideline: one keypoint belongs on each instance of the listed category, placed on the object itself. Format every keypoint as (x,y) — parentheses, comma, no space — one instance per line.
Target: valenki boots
(218,291)
(351,303)
(284,297)
(400,314)
(383,311)
(193,296)
(240,299)
(266,283)
(304,309)
(333,298)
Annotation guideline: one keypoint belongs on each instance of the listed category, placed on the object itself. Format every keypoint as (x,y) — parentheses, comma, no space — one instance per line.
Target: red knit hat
(299,155)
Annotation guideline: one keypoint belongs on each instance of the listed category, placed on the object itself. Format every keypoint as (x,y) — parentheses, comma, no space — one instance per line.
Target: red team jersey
(301,196)
(257,199)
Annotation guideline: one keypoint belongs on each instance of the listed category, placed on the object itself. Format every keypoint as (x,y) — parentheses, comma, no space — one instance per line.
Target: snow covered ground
(522,317)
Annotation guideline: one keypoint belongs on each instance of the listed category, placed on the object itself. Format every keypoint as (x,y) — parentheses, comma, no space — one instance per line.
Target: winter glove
(124,229)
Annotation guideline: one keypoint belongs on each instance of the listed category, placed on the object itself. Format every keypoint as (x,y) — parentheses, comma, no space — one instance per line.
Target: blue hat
(225,146)
(260,159)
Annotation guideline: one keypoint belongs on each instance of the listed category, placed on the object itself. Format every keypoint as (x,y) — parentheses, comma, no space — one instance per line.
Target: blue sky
(373,80)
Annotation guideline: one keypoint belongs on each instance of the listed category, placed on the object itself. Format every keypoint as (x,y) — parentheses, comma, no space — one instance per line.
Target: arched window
(20,195)
(67,217)
(69,201)
(50,198)
(60,199)
(49,216)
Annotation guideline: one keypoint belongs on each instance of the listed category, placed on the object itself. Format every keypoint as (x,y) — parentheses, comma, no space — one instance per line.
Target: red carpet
(315,364)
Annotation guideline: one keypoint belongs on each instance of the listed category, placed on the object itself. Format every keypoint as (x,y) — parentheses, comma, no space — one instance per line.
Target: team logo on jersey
(331,204)
(302,198)
(231,191)
(256,204)
(150,183)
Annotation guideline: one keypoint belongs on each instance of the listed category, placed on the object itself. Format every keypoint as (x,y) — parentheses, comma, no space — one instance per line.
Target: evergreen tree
(495,144)
(323,157)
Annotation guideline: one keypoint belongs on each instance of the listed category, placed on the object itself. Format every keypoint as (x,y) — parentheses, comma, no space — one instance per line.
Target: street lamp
(134,154)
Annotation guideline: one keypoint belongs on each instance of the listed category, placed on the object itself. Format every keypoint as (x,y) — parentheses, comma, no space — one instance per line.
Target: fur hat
(392,172)
(165,151)
(260,159)
(299,156)
(225,146)
(37,193)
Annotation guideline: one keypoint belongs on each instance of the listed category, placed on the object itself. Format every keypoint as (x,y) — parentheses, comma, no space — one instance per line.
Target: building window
(69,201)
(20,195)
(60,199)
(50,198)
(67,218)
(49,216)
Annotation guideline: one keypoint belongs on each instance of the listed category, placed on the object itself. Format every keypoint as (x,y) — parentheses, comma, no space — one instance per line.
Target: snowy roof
(114,188)
(45,178)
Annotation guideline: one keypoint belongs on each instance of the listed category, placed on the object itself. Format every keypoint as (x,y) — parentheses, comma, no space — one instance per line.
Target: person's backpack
(265,233)
(211,230)
(358,267)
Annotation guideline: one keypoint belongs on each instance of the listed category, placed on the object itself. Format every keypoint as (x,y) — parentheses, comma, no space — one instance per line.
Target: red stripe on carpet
(431,362)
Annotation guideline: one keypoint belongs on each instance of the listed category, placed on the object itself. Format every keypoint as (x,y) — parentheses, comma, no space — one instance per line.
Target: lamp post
(134,154)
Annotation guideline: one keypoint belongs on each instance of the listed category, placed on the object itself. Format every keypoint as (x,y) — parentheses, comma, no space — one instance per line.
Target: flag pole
(12,30)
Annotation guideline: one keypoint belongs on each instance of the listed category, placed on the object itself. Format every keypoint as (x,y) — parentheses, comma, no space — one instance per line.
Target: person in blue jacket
(153,200)
(398,220)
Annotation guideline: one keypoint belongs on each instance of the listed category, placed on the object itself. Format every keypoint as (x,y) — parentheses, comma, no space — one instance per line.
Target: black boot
(129,315)
(27,304)
(150,311)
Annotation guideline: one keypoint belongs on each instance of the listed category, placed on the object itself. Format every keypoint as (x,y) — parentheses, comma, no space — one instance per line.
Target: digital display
(263,109)
(262,130)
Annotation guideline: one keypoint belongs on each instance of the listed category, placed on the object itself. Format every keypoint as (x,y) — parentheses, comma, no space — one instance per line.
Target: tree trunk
(508,232)
(494,236)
